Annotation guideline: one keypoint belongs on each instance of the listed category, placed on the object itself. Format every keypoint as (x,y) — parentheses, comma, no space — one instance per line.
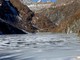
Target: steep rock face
(59,13)
(71,22)
(42,23)
(30,21)
(58,18)
(17,16)
(65,17)
(8,12)
(8,18)
(6,28)
(63,1)
(25,16)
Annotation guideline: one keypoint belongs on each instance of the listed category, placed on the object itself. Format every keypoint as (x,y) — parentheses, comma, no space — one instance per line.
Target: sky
(44,0)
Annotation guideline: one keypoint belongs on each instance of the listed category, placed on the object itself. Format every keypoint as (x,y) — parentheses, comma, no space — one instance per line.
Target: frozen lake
(40,46)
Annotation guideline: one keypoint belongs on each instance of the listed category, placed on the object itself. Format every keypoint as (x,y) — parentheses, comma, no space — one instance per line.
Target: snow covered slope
(36,7)
(26,1)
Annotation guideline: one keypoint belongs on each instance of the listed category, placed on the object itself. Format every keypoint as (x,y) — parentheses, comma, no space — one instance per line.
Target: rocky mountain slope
(8,18)
(26,16)
(65,17)
(59,17)
(17,15)
(32,21)
(63,1)
(71,22)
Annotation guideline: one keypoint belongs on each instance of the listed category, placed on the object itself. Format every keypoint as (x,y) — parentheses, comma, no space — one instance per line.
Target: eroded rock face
(6,28)
(71,22)
(30,21)
(25,16)
(8,12)
(65,17)
(8,17)
(17,15)
(42,23)
(63,1)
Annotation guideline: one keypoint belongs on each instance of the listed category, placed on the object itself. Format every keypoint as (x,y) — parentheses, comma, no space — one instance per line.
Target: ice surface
(40,46)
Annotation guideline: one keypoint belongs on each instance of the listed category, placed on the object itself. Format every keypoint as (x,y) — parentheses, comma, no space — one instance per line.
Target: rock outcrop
(65,17)
(71,22)
(8,18)
(60,17)
(42,23)
(64,1)
(7,28)
(16,15)
(30,21)
(25,16)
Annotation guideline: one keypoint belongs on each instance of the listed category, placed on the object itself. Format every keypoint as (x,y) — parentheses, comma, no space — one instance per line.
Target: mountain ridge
(58,17)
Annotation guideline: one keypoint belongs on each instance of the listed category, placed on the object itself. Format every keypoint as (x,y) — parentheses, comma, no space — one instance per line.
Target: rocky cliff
(8,18)
(64,1)
(17,15)
(65,17)
(59,17)
(30,20)
(25,16)
(71,21)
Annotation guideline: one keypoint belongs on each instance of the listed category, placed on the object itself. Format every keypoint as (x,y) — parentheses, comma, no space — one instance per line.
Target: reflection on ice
(40,46)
